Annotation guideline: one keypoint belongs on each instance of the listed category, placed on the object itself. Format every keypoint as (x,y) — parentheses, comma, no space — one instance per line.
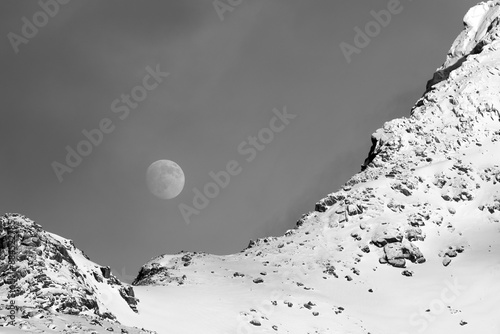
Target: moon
(165,179)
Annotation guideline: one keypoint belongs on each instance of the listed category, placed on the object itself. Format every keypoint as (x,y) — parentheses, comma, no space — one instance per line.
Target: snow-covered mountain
(42,274)
(411,244)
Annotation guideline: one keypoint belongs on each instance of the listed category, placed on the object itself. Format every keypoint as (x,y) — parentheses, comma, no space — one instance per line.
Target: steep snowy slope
(409,245)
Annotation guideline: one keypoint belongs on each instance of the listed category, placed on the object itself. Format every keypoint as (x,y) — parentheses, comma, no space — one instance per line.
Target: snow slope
(409,245)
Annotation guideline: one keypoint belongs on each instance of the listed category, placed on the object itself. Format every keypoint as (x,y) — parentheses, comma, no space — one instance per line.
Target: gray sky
(226,76)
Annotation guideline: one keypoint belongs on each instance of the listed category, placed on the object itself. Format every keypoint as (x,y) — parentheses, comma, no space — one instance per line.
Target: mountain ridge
(407,245)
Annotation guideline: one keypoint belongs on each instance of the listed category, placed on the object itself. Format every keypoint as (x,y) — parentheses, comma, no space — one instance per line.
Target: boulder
(414,234)
(354,209)
(97,277)
(326,202)
(397,253)
(31,242)
(407,273)
(106,271)
(397,263)
(385,235)
(366,249)
(255,322)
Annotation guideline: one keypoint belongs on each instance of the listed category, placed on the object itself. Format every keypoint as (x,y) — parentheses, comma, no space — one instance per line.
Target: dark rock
(31,242)
(444,74)
(330,270)
(57,257)
(129,290)
(417,220)
(414,253)
(397,253)
(250,244)
(402,189)
(366,249)
(375,150)
(398,263)
(309,305)
(95,322)
(90,304)
(63,252)
(320,207)
(338,310)
(451,253)
(405,192)
(97,277)
(326,202)
(127,293)
(108,315)
(414,234)
(386,236)
(354,209)
(407,273)
(255,322)
(106,271)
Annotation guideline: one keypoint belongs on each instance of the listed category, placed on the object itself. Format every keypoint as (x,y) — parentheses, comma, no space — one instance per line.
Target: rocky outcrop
(458,113)
(397,253)
(128,295)
(154,273)
(40,267)
(328,201)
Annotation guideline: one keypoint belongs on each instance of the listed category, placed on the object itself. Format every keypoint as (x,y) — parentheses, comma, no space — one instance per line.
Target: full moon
(165,179)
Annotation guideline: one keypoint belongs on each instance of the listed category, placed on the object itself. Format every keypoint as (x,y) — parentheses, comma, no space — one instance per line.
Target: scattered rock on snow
(255,322)
(407,273)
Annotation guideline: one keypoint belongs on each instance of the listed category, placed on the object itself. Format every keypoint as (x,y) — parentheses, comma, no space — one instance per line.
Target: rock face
(50,273)
(166,273)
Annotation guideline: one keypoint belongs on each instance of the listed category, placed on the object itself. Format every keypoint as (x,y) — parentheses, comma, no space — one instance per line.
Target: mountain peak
(481,27)
(481,31)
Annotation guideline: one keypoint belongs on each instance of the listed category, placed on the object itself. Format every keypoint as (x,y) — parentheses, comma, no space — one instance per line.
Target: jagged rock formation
(153,273)
(49,273)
